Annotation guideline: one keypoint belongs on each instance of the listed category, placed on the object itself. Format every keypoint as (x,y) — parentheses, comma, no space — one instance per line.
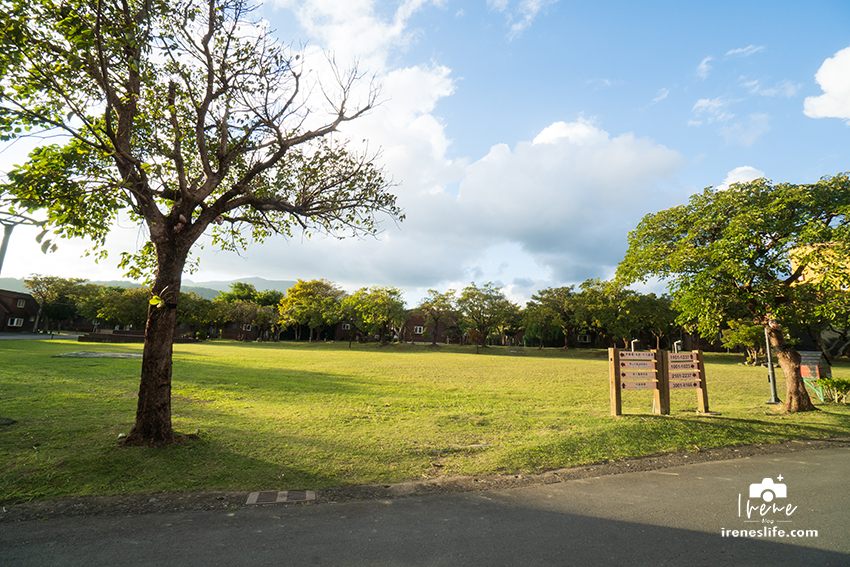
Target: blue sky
(528,137)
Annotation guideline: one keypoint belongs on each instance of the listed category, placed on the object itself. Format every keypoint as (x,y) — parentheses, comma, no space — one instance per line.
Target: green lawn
(296,416)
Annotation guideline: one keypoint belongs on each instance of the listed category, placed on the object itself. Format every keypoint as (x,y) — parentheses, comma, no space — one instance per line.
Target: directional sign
(682,366)
(646,364)
(684,376)
(639,385)
(683,385)
(637,355)
(676,356)
(637,375)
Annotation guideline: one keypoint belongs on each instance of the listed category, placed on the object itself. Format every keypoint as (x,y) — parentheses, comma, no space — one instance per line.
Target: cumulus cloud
(355,29)
(551,208)
(741,174)
(834,78)
(581,132)
(554,208)
(568,197)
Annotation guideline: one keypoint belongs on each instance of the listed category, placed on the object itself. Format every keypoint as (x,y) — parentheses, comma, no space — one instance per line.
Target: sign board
(637,355)
(647,364)
(639,385)
(679,356)
(637,375)
(660,371)
(683,375)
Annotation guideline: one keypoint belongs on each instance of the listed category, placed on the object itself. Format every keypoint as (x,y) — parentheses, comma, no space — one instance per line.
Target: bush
(835,389)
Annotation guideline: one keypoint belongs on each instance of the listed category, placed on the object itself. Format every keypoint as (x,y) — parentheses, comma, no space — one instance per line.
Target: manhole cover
(277,497)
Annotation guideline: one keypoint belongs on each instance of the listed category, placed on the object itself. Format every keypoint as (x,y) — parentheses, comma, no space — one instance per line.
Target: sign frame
(635,370)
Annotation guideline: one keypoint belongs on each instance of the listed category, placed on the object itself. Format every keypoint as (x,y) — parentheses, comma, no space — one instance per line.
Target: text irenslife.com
(772,531)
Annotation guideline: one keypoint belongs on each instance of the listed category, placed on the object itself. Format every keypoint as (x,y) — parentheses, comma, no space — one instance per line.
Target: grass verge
(306,416)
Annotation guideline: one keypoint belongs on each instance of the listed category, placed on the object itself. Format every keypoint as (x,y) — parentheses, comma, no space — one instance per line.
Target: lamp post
(771,376)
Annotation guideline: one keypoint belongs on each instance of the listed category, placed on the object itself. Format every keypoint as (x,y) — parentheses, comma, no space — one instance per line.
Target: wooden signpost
(656,370)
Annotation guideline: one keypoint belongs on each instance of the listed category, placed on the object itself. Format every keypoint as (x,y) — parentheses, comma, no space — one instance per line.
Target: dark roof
(12,295)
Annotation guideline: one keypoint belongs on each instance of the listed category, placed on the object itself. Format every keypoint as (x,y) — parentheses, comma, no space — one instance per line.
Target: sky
(527,138)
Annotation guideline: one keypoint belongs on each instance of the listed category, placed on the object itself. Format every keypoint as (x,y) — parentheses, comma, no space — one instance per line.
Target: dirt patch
(176,502)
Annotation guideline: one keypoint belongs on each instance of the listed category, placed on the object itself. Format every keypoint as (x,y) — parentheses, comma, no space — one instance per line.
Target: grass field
(297,416)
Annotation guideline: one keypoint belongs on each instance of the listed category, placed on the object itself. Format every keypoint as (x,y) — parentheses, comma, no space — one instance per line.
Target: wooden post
(614,371)
(662,394)
(702,391)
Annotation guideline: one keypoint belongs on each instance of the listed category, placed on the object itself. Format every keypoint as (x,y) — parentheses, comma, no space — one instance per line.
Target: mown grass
(289,416)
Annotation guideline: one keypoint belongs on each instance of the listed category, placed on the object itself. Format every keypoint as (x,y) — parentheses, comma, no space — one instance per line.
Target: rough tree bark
(153,411)
(796,396)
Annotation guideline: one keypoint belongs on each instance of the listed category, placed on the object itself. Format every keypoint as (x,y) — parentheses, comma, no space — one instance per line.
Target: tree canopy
(313,303)
(747,248)
(375,310)
(483,309)
(437,308)
(189,117)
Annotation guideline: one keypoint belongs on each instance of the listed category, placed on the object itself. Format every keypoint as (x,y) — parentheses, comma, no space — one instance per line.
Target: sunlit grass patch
(305,416)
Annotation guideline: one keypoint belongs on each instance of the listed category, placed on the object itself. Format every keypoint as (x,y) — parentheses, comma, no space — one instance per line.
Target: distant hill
(207,290)
(259,283)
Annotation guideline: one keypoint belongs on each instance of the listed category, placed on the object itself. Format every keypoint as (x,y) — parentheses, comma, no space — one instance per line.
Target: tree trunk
(796,396)
(153,412)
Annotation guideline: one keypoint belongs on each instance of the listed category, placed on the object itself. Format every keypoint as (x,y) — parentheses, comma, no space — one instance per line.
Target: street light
(771,376)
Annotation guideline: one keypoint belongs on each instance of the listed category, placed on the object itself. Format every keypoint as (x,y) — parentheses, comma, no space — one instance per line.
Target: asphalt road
(676,516)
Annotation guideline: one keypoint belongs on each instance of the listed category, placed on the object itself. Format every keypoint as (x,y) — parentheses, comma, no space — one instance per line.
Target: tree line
(311,309)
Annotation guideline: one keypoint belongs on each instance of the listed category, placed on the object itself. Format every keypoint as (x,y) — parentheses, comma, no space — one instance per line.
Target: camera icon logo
(767,490)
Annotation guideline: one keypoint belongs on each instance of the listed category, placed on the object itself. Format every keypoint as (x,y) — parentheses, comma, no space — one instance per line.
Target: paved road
(672,517)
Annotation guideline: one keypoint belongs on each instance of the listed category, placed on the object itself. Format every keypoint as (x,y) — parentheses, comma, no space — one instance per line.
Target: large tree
(437,308)
(748,247)
(56,297)
(483,309)
(189,117)
(375,310)
(313,303)
(552,309)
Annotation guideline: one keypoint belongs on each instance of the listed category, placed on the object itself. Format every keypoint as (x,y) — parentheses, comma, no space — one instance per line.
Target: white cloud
(712,110)
(785,88)
(556,207)
(549,195)
(748,132)
(662,94)
(523,16)
(740,175)
(704,67)
(582,132)
(354,30)
(528,10)
(834,78)
(745,51)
